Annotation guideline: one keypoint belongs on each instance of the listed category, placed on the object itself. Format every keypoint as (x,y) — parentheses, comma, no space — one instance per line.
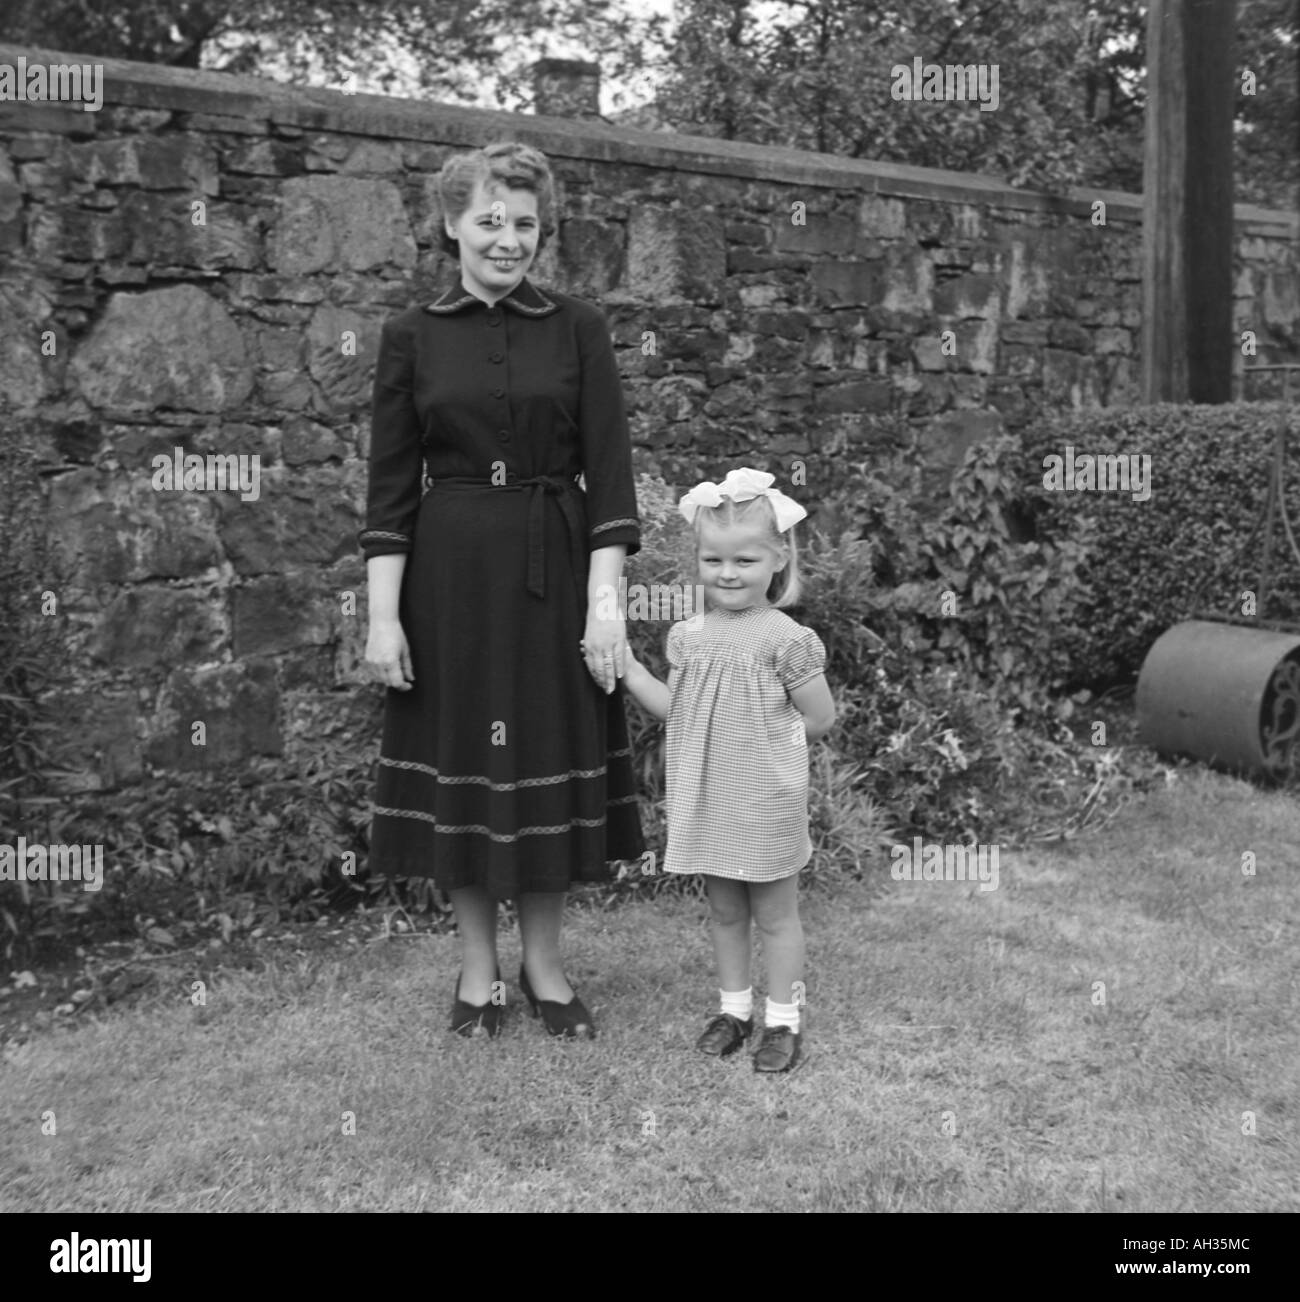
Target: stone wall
(205,264)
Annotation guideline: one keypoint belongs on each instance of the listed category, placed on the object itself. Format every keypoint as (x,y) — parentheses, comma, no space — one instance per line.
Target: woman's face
(498,236)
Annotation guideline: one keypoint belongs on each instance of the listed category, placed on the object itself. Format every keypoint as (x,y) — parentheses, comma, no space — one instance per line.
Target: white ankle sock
(783,1015)
(739,1003)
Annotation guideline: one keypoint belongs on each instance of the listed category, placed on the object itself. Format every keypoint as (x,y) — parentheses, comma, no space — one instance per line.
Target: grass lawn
(956,1059)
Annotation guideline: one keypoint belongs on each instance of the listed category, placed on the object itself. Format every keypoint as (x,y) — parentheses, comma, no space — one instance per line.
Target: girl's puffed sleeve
(800,659)
(396,464)
(606,443)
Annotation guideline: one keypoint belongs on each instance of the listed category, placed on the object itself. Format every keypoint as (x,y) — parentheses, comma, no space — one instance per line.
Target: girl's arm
(813,700)
(649,693)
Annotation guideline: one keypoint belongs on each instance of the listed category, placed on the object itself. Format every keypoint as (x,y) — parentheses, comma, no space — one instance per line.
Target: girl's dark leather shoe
(778,1050)
(571,1020)
(468,1019)
(724,1034)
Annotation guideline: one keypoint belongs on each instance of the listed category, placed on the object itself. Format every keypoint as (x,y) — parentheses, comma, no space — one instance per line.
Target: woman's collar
(525,298)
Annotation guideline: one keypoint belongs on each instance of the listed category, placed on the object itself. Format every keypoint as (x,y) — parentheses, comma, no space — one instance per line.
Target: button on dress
(736,748)
(505,766)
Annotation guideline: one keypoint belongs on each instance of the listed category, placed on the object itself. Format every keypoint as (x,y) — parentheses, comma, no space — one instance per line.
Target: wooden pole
(1164,293)
(1209,43)
(1187,217)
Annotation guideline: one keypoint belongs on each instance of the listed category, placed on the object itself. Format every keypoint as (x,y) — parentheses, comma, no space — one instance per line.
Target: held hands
(389,656)
(605,650)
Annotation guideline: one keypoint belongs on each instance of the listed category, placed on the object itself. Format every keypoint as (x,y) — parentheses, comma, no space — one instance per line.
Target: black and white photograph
(674,606)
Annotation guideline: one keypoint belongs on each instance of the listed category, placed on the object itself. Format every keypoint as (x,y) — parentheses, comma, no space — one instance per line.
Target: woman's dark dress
(505,766)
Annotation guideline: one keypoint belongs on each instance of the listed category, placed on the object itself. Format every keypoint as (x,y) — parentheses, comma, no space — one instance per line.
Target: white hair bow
(740,486)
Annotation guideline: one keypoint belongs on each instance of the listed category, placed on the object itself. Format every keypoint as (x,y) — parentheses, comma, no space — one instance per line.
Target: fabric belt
(566,493)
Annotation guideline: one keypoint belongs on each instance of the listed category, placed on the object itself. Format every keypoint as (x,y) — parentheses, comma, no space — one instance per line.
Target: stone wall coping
(186,90)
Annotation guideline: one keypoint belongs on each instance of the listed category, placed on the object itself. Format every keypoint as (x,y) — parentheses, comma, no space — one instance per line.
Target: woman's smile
(497,218)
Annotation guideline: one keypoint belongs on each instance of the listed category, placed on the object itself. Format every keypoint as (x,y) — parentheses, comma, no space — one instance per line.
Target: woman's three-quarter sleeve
(396,463)
(606,444)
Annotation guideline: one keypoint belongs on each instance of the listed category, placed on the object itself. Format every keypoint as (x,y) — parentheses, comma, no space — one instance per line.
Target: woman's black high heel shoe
(571,1020)
(466,1019)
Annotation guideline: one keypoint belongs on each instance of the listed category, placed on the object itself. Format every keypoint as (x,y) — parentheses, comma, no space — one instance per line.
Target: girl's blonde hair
(786,585)
(516,166)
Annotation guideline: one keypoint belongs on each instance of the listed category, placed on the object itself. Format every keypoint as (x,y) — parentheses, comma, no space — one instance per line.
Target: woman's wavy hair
(518,167)
(786,585)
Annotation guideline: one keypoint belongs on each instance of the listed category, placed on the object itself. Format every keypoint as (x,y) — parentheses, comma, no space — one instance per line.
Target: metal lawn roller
(1226,689)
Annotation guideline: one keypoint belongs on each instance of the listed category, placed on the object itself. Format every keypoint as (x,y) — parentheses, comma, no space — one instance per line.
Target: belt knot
(564,488)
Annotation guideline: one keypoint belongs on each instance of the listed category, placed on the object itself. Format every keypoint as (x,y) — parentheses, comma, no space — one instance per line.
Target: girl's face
(498,236)
(736,565)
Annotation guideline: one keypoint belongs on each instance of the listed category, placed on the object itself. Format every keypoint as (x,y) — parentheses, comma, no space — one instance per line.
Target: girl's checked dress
(505,766)
(737,751)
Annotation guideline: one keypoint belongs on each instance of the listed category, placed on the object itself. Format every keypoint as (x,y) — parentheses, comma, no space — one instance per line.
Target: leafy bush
(259,843)
(949,725)
(30,624)
(31,651)
(1194,545)
(958,590)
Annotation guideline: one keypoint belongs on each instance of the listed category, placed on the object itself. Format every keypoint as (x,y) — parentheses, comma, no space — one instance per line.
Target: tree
(475,51)
(815,74)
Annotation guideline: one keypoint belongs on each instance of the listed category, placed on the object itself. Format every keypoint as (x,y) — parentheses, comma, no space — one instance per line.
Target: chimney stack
(566,88)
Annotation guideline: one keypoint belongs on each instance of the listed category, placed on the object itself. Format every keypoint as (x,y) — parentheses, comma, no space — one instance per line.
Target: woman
(505,771)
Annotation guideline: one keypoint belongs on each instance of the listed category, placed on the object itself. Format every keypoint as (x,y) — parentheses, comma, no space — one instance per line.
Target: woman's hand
(605,650)
(388,654)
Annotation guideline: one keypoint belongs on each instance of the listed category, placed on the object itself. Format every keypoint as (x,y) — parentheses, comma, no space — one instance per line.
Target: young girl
(745,695)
